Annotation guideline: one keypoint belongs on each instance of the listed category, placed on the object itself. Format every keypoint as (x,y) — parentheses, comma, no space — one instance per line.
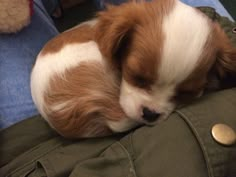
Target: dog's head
(166,52)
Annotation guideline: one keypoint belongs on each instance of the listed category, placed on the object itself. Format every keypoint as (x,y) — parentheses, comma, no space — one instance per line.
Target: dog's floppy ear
(225,65)
(226,61)
(114,30)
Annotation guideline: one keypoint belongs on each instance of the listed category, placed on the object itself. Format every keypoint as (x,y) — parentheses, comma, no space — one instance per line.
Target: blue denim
(17,55)
(195,3)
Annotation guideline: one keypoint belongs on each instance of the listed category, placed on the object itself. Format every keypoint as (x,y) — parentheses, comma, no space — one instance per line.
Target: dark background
(87,9)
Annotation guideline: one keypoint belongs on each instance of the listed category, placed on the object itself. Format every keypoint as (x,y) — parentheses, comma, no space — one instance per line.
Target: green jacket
(182,146)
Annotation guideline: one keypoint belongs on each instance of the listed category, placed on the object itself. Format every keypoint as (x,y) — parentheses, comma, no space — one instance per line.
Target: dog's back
(73,88)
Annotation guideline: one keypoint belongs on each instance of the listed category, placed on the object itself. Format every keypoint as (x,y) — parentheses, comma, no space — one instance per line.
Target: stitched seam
(132,145)
(200,141)
(103,152)
(47,167)
(129,157)
(34,159)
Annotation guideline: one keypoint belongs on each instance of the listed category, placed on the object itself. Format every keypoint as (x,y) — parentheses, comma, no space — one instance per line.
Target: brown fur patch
(81,101)
(197,80)
(226,56)
(78,34)
(130,36)
(218,59)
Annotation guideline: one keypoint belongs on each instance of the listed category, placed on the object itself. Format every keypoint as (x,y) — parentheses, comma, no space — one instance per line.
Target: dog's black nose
(149,115)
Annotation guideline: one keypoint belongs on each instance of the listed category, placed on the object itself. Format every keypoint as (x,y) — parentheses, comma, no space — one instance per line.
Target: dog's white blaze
(185,33)
(48,65)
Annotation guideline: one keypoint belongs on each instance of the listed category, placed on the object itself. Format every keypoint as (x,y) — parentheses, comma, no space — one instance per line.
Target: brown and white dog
(131,65)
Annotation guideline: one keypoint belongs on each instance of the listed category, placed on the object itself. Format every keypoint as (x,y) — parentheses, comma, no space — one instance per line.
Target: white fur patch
(122,125)
(132,99)
(57,63)
(185,33)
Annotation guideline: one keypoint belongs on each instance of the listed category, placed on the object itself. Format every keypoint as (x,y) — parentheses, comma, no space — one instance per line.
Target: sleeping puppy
(132,65)
(73,87)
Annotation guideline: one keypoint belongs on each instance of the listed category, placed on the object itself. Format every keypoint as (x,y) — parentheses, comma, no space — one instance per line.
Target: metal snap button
(223,134)
(234,30)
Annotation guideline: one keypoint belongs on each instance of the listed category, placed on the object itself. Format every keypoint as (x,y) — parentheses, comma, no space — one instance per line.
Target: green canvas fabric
(181,146)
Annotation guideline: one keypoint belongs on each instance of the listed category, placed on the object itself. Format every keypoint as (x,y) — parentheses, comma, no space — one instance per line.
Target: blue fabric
(17,55)
(195,3)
